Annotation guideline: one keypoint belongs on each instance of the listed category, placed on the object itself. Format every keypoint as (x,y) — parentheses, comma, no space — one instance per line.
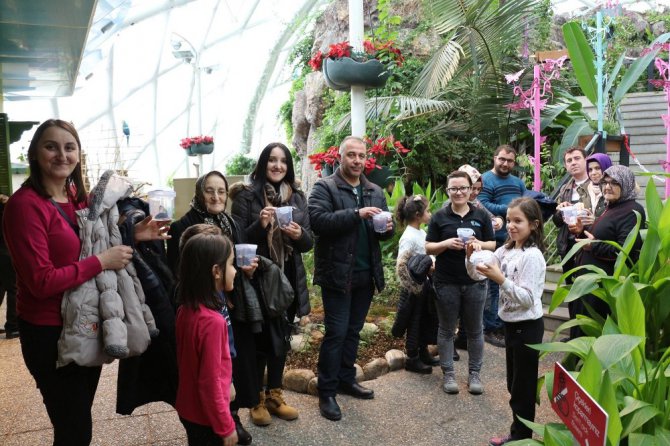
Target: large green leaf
(635,70)
(590,375)
(558,435)
(607,399)
(582,58)
(635,414)
(571,136)
(630,310)
(648,255)
(611,349)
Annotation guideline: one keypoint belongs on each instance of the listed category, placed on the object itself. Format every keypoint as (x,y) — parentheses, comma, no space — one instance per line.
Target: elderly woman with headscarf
(208,206)
(596,164)
(616,222)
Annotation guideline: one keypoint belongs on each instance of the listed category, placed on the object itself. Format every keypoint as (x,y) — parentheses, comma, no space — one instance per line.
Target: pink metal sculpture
(663,68)
(535,99)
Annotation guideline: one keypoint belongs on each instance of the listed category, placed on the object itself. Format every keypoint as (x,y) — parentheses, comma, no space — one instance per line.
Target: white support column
(357,93)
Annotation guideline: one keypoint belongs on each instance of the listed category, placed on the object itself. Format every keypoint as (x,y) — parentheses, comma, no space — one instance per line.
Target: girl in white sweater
(519,268)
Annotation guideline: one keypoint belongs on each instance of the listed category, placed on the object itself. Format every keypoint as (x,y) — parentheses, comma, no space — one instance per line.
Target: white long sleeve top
(521,292)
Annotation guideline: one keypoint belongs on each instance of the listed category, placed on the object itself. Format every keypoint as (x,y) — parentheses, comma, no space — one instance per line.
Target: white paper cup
(380,220)
(465,233)
(244,254)
(284,215)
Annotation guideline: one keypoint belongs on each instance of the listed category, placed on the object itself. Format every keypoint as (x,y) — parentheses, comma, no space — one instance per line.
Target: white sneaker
(450,385)
(475,384)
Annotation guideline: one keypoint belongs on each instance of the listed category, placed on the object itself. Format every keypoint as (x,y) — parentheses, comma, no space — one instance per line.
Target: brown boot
(275,404)
(259,414)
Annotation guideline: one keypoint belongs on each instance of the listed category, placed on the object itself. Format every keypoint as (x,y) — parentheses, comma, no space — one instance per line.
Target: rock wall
(332,27)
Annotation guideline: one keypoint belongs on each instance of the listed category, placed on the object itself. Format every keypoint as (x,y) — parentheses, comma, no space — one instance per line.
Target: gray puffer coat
(106,317)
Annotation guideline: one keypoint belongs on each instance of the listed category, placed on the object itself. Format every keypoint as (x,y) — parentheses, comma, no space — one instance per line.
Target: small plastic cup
(465,233)
(481,257)
(161,204)
(570,214)
(284,215)
(380,220)
(244,254)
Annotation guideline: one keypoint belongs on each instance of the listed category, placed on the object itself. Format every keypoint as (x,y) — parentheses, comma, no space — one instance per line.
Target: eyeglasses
(610,183)
(462,189)
(506,160)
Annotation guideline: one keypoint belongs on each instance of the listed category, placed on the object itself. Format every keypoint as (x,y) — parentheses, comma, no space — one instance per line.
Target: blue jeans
(468,301)
(491,320)
(344,316)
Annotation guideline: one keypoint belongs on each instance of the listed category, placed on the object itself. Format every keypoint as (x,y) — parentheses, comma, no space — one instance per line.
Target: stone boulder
(375,368)
(297,380)
(313,386)
(360,376)
(395,359)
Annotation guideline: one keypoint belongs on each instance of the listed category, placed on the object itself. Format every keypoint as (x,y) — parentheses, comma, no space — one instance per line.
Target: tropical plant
(613,91)
(463,82)
(385,52)
(240,164)
(623,361)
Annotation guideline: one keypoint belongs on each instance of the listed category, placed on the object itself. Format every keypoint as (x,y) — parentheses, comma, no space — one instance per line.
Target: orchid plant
(188,142)
(385,52)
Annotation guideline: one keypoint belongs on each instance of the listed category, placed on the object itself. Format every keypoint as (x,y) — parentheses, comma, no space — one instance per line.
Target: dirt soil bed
(380,344)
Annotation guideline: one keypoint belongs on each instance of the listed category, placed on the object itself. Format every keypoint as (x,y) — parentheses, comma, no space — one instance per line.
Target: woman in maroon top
(44,244)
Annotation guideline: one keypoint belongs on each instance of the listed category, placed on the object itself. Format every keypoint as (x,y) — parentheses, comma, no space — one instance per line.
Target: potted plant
(583,64)
(198,145)
(383,161)
(343,67)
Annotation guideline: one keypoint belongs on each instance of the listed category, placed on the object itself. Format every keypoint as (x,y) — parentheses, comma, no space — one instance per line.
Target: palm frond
(439,70)
(400,107)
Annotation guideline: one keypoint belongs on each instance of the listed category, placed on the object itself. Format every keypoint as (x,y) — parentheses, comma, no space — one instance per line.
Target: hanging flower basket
(200,149)
(198,145)
(340,74)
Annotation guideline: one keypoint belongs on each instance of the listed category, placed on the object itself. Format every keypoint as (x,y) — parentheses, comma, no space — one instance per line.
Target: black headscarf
(198,204)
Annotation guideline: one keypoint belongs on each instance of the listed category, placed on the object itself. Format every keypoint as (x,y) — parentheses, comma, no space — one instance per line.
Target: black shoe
(417,366)
(12,334)
(495,338)
(243,436)
(457,356)
(356,390)
(427,358)
(329,408)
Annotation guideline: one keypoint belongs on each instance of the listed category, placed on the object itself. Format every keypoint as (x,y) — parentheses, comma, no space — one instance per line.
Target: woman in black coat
(208,206)
(273,185)
(620,191)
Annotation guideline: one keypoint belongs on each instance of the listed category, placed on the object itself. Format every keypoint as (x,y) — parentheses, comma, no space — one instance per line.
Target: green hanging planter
(340,74)
(200,149)
(381,177)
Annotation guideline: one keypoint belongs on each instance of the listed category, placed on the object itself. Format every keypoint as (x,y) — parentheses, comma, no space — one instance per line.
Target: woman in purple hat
(596,164)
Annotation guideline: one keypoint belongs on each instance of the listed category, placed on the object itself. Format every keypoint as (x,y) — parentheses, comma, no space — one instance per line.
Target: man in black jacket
(347,266)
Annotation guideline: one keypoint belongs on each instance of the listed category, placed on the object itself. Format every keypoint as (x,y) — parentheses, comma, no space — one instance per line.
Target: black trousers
(200,435)
(8,285)
(344,316)
(522,364)
(67,392)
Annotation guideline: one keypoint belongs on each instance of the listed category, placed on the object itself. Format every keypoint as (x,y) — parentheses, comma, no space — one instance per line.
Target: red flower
(385,151)
(337,50)
(369,47)
(188,142)
(316,61)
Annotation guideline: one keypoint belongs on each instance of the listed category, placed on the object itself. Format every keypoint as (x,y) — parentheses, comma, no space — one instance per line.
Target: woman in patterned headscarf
(620,191)
(209,206)
(273,185)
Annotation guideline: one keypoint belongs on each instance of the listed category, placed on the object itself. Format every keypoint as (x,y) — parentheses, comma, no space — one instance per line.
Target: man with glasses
(575,191)
(500,187)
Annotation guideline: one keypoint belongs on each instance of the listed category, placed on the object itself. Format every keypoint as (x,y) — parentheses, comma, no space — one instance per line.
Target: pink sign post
(663,68)
(534,99)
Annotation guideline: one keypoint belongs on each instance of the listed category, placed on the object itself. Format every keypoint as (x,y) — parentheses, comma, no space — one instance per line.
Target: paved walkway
(407,409)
